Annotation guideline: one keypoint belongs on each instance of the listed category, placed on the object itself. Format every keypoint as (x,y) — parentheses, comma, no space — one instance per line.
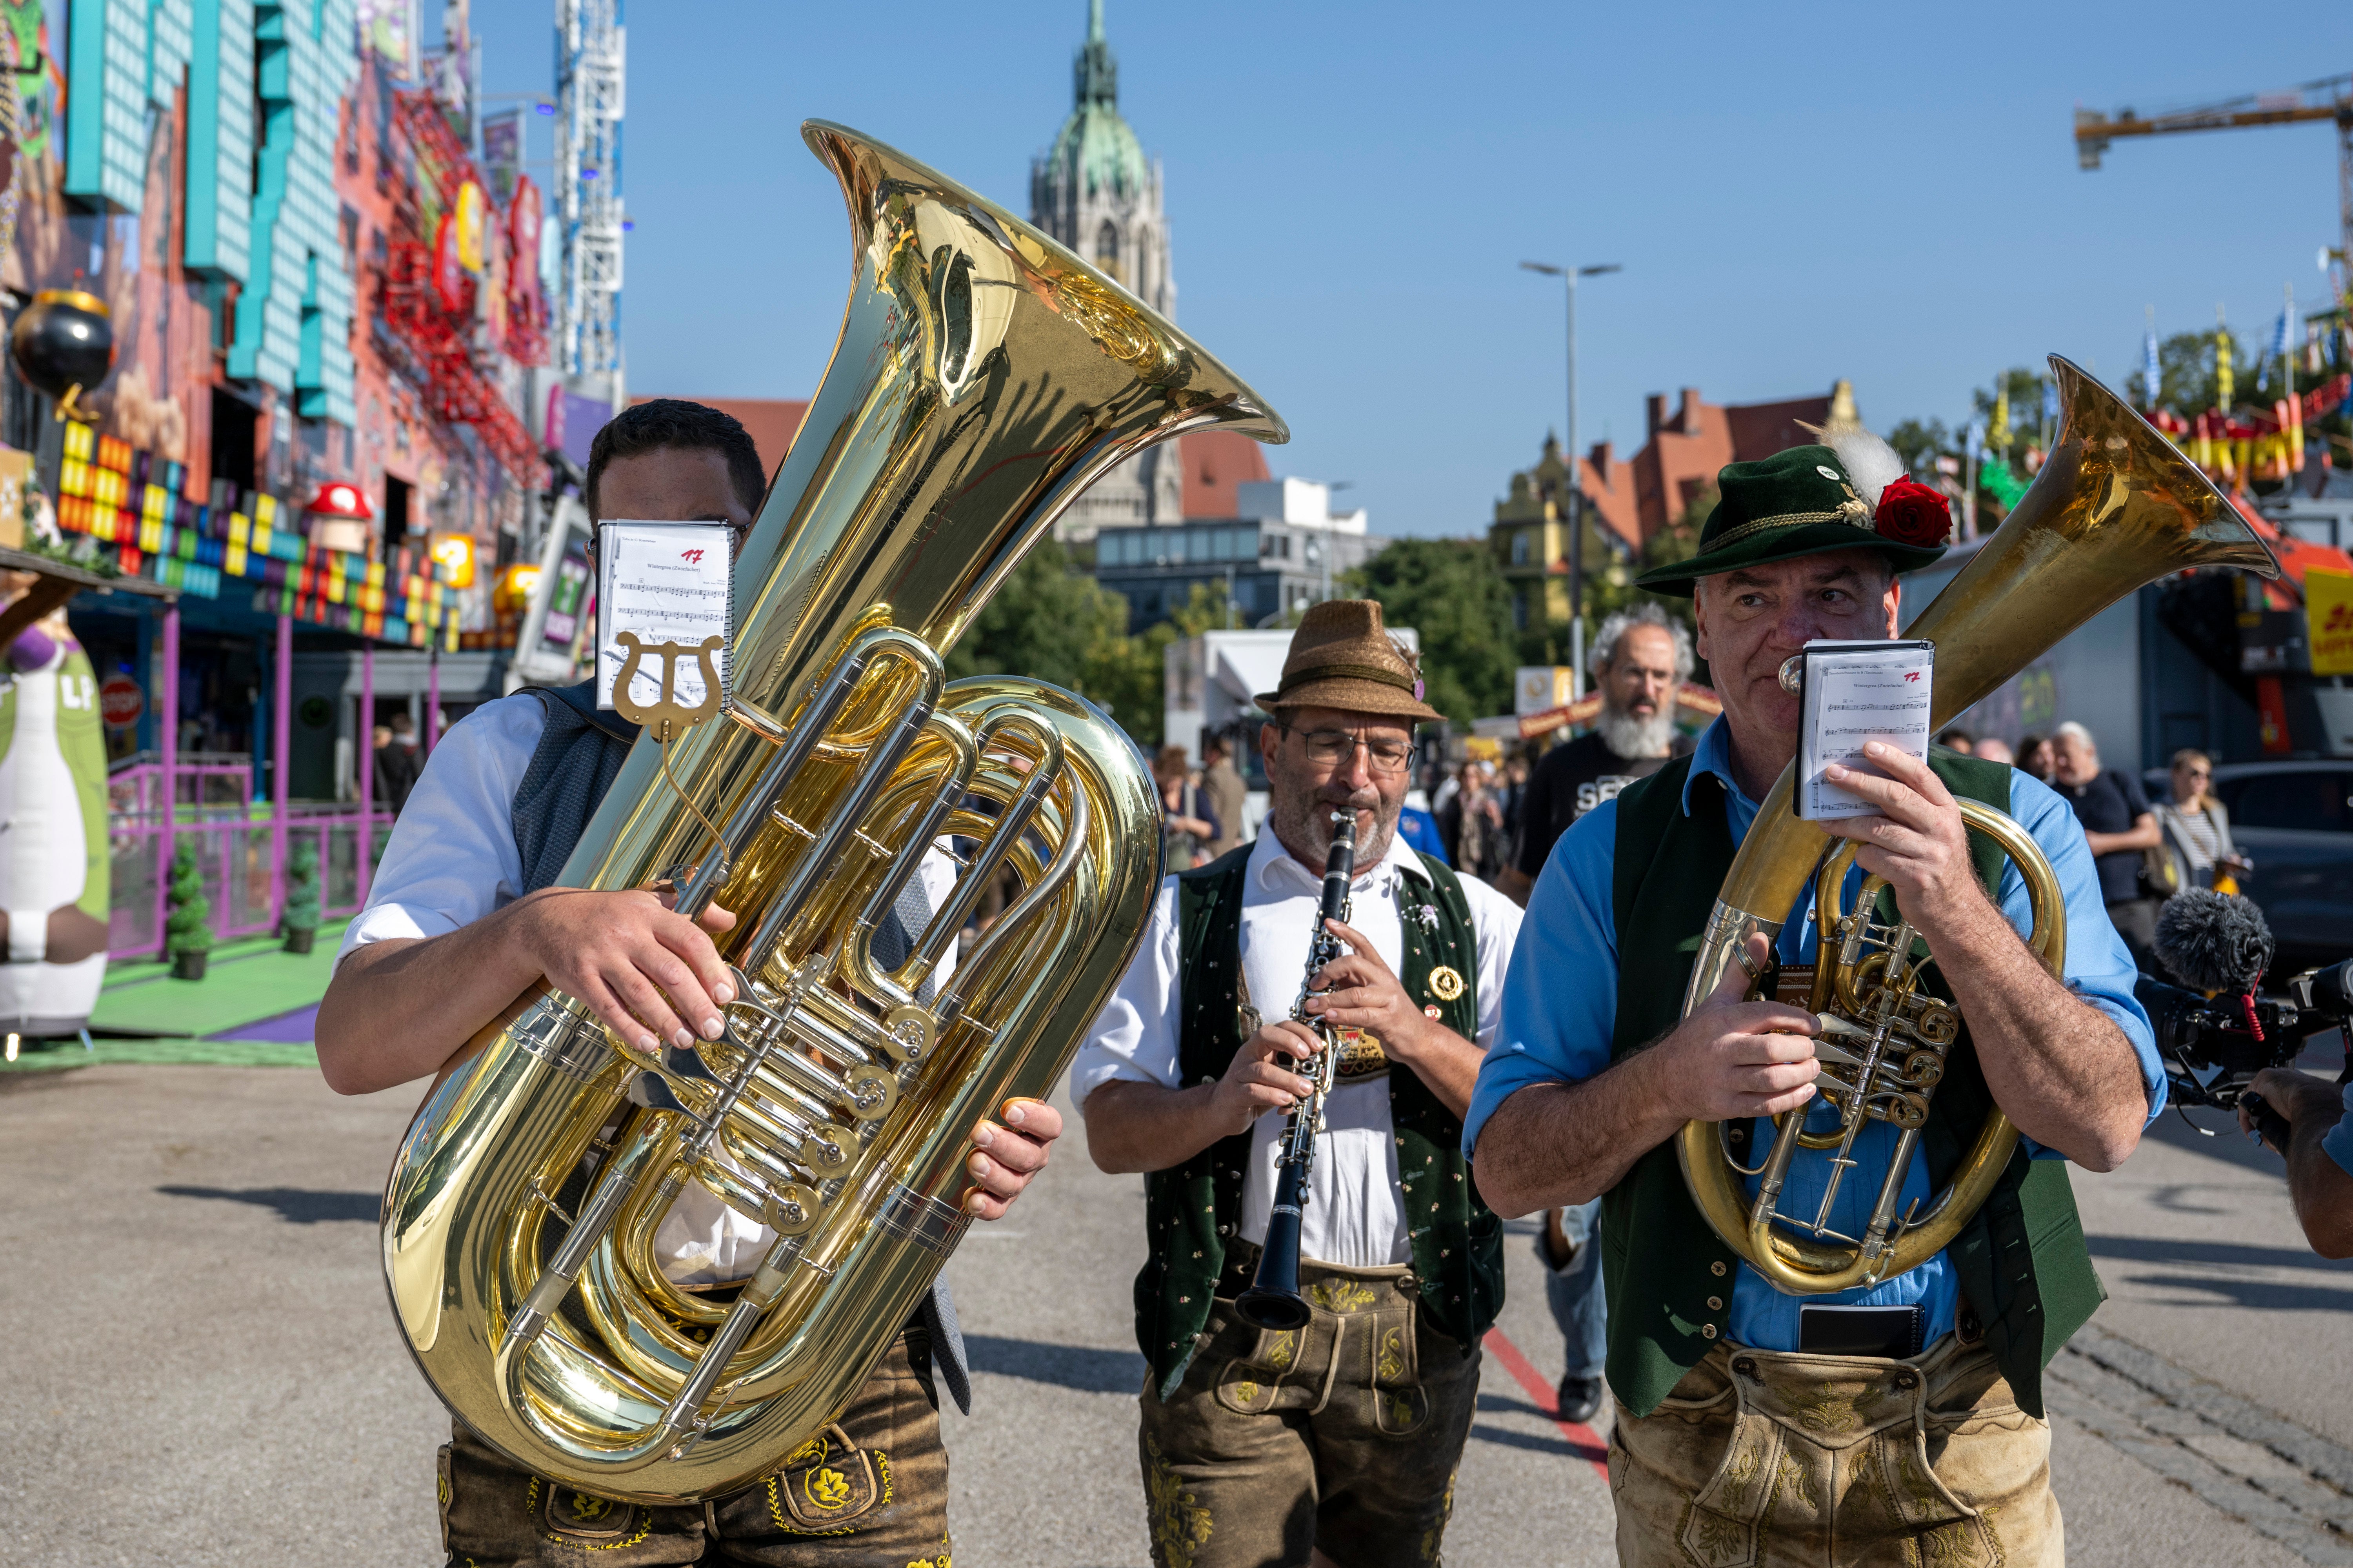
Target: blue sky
(1887,193)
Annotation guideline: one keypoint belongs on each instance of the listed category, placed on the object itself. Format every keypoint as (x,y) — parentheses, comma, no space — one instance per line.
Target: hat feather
(1869,461)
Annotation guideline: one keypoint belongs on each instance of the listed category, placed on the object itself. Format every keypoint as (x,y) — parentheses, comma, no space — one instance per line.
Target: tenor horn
(984,377)
(2115,505)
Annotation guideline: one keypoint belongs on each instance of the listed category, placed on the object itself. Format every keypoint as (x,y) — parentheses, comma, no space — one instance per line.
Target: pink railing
(233,838)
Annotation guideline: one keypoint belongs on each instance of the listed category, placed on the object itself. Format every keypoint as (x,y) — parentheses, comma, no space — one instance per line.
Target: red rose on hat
(1910,513)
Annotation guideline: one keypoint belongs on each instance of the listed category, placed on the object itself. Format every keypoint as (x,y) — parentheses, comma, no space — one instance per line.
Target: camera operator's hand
(2321,1189)
(2295,1097)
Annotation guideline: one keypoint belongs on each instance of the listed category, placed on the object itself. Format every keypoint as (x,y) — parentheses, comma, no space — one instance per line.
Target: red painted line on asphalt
(1583,1440)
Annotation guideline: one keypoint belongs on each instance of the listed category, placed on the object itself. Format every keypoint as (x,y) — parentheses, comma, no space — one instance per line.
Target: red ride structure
(438,318)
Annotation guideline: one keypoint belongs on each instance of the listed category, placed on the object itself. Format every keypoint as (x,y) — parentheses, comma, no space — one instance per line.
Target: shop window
(233,442)
(394,513)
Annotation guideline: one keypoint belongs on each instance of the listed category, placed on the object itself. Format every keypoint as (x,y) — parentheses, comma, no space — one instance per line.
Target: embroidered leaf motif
(587,1509)
(1278,1354)
(1246,1391)
(1713,1539)
(1392,1362)
(1825,1412)
(1341,1295)
(828,1489)
(1180,1525)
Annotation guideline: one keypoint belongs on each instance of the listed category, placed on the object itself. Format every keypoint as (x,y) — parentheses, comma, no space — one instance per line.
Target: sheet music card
(667,583)
(1853,693)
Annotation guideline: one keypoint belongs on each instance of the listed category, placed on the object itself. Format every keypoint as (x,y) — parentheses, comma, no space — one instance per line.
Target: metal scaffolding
(591,48)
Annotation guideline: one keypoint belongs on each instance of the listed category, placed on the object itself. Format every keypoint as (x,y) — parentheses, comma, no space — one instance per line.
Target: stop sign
(120,702)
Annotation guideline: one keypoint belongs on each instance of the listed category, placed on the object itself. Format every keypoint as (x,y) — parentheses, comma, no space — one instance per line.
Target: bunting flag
(2150,373)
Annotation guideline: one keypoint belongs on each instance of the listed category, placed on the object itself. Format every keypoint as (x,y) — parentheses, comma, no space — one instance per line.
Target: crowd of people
(2144,853)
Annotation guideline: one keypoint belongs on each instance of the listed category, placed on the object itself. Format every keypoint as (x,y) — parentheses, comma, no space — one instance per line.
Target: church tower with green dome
(1097,193)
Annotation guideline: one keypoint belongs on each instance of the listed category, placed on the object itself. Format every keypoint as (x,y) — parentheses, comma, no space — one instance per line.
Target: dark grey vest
(580,754)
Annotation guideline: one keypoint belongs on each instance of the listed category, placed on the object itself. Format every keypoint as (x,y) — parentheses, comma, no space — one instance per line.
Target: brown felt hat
(1341,657)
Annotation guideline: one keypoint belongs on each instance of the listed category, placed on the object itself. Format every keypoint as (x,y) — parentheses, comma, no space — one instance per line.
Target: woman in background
(2196,828)
(1190,824)
(2034,757)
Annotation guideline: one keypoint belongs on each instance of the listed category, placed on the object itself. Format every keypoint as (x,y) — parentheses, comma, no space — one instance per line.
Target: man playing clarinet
(1337,1442)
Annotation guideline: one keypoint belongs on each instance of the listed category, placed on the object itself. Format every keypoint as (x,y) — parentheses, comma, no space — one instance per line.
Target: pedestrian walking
(2198,829)
(1229,793)
(1188,825)
(2120,826)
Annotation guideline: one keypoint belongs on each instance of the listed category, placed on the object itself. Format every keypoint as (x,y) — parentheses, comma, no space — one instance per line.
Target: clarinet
(1274,1300)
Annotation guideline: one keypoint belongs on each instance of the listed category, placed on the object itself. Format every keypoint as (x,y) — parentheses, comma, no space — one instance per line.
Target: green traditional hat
(1810,501)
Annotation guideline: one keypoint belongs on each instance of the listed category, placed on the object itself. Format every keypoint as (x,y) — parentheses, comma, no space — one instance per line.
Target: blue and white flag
(2150,373)
(1976,434)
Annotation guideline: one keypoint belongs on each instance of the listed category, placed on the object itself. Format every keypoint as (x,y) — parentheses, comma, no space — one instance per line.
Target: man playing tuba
(1336,1441)
(463,914)
(1898,1422)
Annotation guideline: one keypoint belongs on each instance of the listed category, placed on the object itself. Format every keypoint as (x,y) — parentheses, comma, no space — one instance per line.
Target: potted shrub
(301,921)
(187,925)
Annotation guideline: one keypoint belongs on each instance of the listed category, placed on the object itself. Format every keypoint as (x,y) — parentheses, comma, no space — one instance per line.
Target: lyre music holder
(667,718)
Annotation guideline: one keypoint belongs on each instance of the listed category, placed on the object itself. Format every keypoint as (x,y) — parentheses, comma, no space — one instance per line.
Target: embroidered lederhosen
(1192,1210)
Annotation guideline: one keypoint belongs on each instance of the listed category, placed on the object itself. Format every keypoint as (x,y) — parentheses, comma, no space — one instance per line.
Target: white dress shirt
(452,858)
(1353,1219)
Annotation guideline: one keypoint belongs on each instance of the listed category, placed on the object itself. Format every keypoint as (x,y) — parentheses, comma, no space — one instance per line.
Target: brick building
(1627,502)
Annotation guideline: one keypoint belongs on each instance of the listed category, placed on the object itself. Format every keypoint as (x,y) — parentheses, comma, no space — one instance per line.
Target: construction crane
(2329,99)
(591,52)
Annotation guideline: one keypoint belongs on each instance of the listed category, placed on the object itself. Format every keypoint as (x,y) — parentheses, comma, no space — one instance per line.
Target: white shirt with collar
(452,858)
(1353,1219)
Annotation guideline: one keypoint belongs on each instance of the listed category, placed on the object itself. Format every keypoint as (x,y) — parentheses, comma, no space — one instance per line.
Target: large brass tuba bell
(984,377)
(2114,507)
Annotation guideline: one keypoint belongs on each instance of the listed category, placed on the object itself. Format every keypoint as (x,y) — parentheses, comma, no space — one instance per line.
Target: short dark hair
(674,423)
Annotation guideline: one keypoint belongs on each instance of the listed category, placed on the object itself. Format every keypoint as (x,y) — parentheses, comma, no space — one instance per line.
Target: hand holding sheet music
(1854,693)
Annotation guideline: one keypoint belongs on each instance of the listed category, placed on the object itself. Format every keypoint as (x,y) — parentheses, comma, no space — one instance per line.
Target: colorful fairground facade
(271,439)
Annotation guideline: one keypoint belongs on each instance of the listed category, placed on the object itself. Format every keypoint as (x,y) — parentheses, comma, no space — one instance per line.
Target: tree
(1921,445)
(1451,592)
(300,918)
(187,920)
(1050,622)
(1043,622)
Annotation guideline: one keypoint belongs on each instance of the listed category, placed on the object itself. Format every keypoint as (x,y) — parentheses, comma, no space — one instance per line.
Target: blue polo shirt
(1560,1008)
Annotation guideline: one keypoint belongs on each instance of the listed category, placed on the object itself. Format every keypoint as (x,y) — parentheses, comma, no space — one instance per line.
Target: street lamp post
(1575,507)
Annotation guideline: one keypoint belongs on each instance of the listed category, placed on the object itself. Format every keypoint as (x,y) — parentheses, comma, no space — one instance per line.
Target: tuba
(2115,505)
(984,377)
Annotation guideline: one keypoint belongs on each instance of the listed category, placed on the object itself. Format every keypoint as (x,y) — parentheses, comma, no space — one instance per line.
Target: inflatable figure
(54,869)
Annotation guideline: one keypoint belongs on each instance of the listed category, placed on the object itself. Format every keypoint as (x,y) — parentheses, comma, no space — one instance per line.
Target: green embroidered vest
(2022,1266)
(1190,1210)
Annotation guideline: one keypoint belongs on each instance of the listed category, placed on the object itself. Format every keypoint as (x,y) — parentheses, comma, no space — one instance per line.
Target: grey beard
(1631,737)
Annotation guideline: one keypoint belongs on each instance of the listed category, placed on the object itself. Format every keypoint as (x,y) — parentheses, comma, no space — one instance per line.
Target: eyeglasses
(1337,748)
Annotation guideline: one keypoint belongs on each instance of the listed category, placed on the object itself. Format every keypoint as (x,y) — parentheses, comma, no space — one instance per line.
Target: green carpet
(244,983)
(64,1055)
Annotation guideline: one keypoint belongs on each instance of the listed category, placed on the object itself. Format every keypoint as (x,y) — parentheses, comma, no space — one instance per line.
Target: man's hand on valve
(1007,1154)
(1733,1058)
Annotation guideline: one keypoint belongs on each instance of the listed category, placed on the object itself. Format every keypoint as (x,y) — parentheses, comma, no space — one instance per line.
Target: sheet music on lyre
(1853,693)
(666,582)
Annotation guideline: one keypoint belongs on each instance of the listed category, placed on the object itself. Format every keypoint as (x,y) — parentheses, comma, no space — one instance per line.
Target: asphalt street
(204,1369)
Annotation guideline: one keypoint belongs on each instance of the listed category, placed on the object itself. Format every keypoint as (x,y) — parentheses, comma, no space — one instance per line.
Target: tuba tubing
(2115,505)
(984,377)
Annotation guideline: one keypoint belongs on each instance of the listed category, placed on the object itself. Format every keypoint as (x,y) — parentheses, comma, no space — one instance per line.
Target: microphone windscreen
(2213,942)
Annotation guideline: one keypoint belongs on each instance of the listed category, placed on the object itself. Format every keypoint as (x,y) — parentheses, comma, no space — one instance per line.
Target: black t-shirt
(1571,780)
(2110,803)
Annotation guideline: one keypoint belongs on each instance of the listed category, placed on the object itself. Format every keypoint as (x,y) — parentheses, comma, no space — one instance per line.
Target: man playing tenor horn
(1905,1422)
